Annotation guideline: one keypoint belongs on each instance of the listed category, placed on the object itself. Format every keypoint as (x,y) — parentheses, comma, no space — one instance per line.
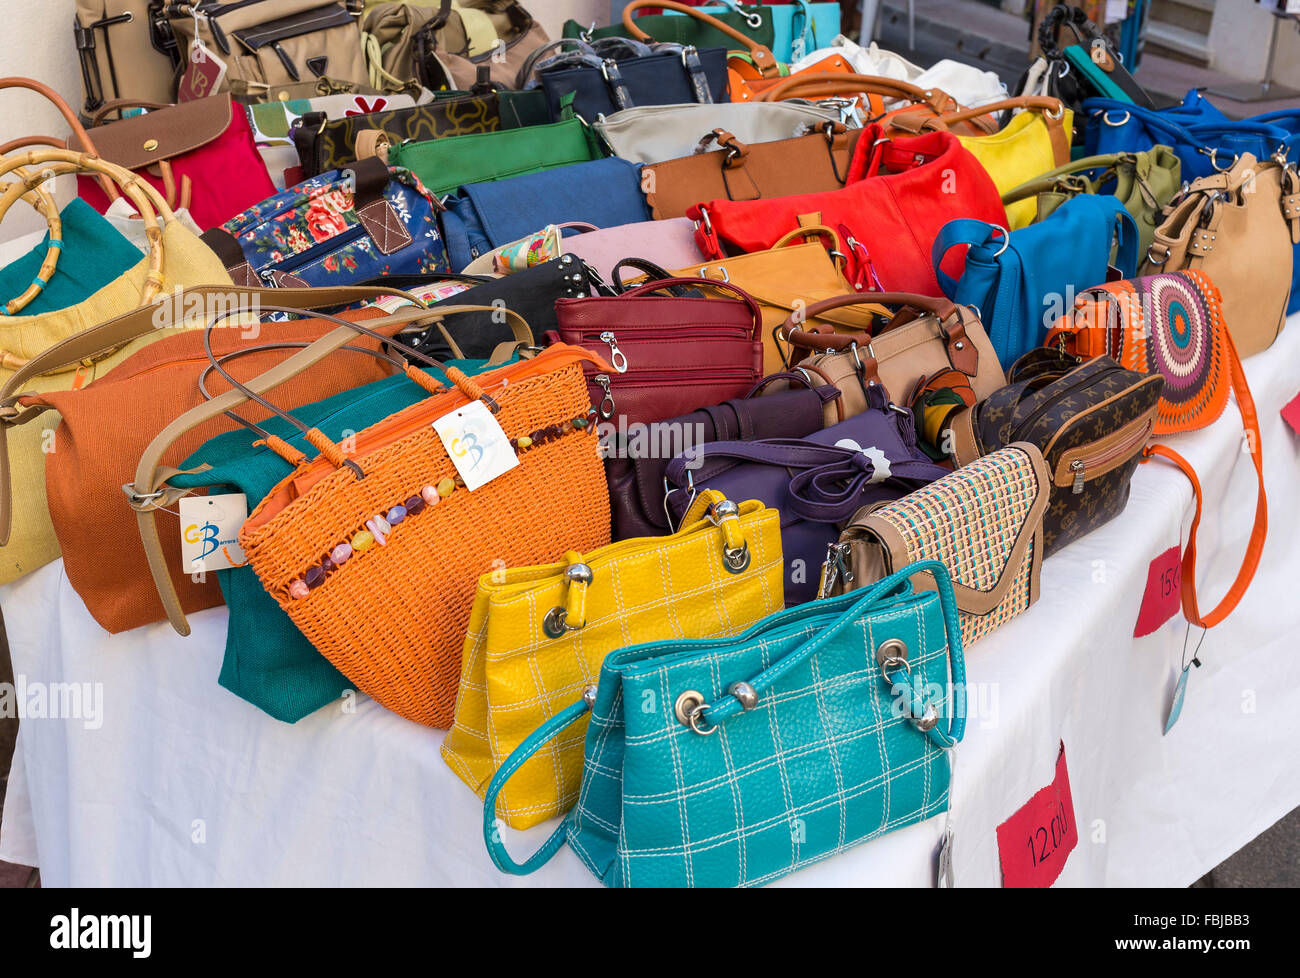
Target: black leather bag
(633,74)
(635,469)
(531,293)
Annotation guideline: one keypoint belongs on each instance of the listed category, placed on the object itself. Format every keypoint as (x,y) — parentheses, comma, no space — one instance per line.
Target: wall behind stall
(37,43)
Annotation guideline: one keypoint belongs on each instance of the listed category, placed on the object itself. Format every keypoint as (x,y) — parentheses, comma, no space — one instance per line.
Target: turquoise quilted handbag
(734,762)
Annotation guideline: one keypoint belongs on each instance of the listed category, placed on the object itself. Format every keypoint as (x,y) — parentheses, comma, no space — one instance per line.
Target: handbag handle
(117,104)
(45,206)
(141,194)
(1051,108)
(709,284)
(763,58)
(65,110)
(1107,163)
(942,309)
(728,706)
(149,491)
(852,84)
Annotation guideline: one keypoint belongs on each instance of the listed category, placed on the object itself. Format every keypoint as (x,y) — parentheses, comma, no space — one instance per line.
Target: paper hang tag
(210,531)
(1180,694)
(203,75)
(1291,414)
(1034,843)
(1163,596)
(478,447)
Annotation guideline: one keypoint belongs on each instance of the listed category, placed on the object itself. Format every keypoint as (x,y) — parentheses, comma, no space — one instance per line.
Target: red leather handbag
(671,354)
(900,194)
(199,155)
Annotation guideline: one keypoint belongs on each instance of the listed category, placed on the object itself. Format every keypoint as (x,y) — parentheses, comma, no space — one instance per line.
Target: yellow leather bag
(177,258)
(538,635)
(1036,140)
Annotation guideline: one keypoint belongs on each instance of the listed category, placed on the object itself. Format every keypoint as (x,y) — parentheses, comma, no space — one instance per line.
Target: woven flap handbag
(908,190)
(1091,420)
(1241,229)
(339,228)
(983,522)
(926,343)
(657,133)
(653,343)
(538,635)
(352,542)
(1021,281)
(1173,325)
(685,781)
(817,482)
(1143,182)
(65,349)
(805,164)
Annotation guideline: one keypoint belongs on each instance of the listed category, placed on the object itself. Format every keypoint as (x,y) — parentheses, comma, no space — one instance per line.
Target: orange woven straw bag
(374,548)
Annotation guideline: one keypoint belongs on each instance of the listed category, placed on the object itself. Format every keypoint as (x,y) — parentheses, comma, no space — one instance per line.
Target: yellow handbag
(805,266)
(538,635)
(177,258)
(1036,140)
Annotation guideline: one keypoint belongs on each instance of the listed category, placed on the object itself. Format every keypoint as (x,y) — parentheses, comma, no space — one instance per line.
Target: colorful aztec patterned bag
(1172,325)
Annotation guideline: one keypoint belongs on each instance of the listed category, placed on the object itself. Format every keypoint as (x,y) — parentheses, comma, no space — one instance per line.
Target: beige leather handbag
(1239,227)
(929,343)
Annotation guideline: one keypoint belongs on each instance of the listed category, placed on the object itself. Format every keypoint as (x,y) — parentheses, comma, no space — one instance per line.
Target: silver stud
(929,718)
(745,694)
(578,574)
(589,696)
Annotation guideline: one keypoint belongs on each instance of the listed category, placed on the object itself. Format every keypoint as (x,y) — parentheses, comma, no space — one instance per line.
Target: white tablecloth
(181,783)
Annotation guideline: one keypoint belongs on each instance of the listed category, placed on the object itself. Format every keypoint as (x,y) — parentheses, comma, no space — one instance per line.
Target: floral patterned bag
(339,227)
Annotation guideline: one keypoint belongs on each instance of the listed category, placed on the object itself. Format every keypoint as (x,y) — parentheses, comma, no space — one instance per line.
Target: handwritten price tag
(478,447)
(1034,842)
(1163,596)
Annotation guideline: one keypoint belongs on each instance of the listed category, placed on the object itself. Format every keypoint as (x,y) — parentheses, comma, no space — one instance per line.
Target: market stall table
(174,781)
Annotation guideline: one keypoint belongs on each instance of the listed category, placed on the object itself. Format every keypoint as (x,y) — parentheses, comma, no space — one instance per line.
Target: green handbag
(267,660)
(1144,183)
(445,164)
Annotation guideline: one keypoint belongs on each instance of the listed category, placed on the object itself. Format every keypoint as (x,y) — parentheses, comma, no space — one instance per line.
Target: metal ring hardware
(735,559)
(1006,240)
(689,710)
(892,654)
(555,623)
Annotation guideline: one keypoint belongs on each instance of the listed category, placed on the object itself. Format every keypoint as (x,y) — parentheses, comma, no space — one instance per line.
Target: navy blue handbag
(483,216)
(1022,282)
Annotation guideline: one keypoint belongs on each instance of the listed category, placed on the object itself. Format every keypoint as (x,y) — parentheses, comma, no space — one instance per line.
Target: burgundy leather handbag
(635,466)
(670,353)
(900,194)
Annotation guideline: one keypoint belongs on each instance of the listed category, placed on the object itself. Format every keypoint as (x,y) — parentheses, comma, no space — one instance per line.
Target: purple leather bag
(635,466)
(817,482)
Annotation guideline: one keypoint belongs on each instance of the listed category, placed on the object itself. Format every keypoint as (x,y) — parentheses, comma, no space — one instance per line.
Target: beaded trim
(380,527)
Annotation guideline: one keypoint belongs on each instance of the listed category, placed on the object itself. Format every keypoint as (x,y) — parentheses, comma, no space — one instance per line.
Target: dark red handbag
(671,353)
(199,155)
(900,193)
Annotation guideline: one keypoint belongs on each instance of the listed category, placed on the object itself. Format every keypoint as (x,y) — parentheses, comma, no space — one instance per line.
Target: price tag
(210,531)
(203,75)
(1034,843)
(1116,10)
(478,447)
(1291,414)
(1163,596)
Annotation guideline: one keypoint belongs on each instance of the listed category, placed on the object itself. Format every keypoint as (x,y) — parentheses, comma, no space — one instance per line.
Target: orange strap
(1258,533)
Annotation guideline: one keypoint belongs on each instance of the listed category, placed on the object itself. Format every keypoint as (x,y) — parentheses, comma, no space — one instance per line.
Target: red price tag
(1034,842)
(1291,414)
(1163,595)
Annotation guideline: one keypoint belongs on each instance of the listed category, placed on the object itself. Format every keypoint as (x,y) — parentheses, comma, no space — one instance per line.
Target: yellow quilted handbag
(1036,140)
(538,635)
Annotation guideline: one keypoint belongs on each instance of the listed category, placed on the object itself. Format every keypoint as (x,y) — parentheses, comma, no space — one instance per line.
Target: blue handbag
(338,228)
(736,761)
(1205,140)
(1022,282)
(483,216)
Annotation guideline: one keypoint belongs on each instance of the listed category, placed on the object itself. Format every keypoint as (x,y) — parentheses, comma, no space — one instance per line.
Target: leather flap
(899,544)
(163,134)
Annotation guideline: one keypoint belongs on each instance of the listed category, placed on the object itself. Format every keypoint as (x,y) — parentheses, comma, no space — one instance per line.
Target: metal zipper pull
(608,399)
(616,358)
(834,567)
(1077,468)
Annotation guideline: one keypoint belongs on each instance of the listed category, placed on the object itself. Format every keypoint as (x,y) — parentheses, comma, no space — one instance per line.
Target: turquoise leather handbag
(734,762)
